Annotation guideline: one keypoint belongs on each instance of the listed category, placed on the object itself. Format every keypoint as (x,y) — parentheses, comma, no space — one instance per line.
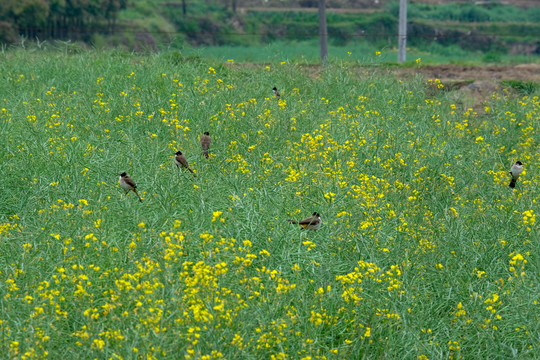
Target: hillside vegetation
(425,252)
(492,29)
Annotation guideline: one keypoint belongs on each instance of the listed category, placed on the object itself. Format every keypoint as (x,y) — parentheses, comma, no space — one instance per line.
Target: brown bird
(312,223)
(206,140)
(128,184)
(180,161)
(515,171)
(276,92)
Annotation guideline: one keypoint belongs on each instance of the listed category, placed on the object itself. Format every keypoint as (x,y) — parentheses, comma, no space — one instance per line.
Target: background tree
(30,16)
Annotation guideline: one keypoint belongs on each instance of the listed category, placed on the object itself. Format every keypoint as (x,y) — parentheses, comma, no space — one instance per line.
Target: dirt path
(449,73)
(473,86)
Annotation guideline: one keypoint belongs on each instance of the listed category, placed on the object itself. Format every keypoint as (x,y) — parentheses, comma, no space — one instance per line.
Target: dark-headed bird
(312,223)
(206,140)
(180,161)
(127,183)
(515,171)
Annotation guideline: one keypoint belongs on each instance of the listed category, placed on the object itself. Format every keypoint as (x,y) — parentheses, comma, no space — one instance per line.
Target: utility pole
(402,31)
(323,31)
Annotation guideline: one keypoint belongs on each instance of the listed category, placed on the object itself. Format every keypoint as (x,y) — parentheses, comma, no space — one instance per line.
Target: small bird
(515,171)
(312,223)
(276,92)
(206,140)
(128,184)
(180,161)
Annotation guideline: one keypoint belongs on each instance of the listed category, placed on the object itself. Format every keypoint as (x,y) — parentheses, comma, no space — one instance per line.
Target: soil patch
(450,73)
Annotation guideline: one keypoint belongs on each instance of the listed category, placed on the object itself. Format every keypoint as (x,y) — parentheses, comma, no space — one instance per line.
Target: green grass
(308,52)
(525,88)
(425,252)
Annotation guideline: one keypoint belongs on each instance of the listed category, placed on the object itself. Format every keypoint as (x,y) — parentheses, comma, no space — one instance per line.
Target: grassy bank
(424,253)
(308,52)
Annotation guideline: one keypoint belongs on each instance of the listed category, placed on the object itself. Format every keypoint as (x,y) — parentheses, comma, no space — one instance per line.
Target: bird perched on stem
(206,140)
(312,223)
(515,171)
(180,161)
(127,183)
(276,92)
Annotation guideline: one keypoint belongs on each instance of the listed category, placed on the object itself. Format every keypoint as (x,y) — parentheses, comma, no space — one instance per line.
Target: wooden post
(402,31)
(323,31)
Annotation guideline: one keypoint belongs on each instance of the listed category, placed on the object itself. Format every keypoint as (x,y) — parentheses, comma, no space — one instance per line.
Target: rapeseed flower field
(424,252)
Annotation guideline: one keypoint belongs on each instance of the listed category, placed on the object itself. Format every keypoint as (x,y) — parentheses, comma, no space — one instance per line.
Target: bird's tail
(292,221)
(206,154)
(191,171)
(512,183)
(135,191)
